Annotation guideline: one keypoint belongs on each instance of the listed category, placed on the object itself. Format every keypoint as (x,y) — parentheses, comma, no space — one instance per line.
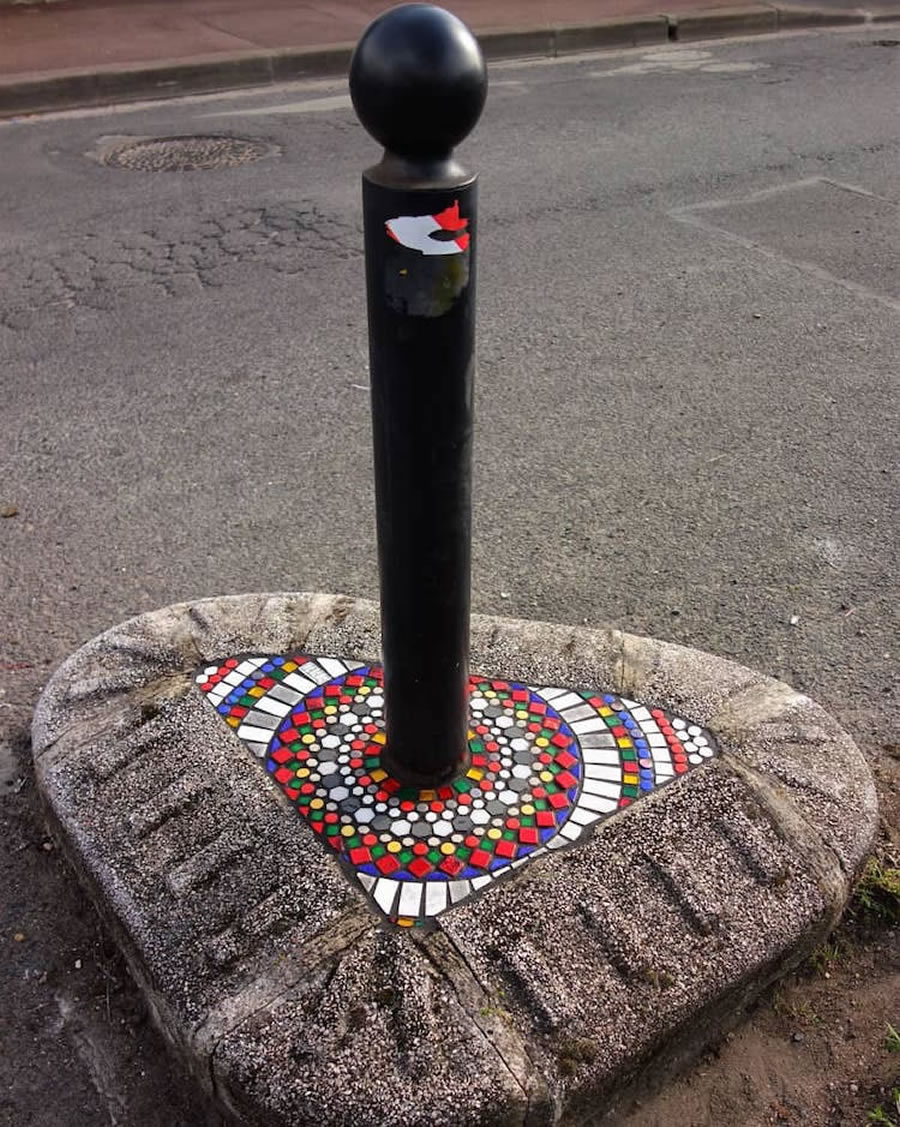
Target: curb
(41,91)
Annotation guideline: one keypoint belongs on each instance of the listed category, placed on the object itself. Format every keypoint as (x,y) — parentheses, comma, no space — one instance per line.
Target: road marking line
(316,105)
(687,215)
(669,60)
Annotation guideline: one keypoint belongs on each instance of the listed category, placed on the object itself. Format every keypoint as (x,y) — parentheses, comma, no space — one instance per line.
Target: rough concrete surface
(540,1002)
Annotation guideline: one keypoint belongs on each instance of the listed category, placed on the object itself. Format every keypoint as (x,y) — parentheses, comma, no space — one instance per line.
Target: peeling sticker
(443,233)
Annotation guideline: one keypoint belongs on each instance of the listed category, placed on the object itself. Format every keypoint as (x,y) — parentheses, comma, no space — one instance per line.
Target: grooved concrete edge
(547,1001)
(43,91)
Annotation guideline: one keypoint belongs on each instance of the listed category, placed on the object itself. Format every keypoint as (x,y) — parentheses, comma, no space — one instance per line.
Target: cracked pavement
(178,257)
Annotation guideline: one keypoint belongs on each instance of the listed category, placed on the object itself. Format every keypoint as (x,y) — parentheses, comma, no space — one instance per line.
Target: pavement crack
(820,857)
(277,982)
(172,258)
(240,39)
(453,969)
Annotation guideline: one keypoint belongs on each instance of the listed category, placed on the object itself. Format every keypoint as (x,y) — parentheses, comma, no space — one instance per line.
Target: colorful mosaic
(545,765)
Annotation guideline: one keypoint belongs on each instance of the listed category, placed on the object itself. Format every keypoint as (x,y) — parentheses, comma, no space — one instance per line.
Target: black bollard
(418,83)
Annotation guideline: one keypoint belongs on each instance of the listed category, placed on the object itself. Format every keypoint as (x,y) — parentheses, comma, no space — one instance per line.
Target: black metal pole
(418,83)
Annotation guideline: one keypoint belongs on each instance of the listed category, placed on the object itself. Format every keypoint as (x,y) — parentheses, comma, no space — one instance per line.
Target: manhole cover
(184,154)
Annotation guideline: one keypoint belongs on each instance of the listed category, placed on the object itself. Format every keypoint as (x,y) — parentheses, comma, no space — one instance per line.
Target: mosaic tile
(545,766)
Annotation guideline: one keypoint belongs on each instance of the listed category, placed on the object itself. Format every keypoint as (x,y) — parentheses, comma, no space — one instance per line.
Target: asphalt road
(687,420)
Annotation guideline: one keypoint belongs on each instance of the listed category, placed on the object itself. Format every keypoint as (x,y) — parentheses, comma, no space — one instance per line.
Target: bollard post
(418,83)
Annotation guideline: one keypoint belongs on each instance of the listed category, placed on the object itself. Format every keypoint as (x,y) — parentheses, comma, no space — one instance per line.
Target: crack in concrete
(821,859)
(182,258)
(248,44)
(265,990)
(487,1031)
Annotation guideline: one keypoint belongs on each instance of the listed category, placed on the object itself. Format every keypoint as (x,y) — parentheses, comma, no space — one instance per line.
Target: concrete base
(587,976)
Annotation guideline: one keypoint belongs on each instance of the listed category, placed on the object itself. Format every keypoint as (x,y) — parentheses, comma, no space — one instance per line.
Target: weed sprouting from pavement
(827,954)
(877,896)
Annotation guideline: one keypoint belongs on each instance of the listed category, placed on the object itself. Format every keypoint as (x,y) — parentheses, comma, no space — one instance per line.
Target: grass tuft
(889,1117)
(877,896)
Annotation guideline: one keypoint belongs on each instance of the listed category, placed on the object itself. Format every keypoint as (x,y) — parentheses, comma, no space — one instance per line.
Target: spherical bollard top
(418,81)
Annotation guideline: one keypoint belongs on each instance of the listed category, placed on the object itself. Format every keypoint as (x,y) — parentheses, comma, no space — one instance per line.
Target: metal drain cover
(183,154)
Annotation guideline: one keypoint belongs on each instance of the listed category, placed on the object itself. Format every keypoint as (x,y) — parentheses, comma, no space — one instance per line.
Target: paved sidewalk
(85,33)
(81,52)
(76,52)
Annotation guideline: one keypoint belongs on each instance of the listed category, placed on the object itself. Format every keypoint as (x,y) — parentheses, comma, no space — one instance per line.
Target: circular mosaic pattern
(520,786)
